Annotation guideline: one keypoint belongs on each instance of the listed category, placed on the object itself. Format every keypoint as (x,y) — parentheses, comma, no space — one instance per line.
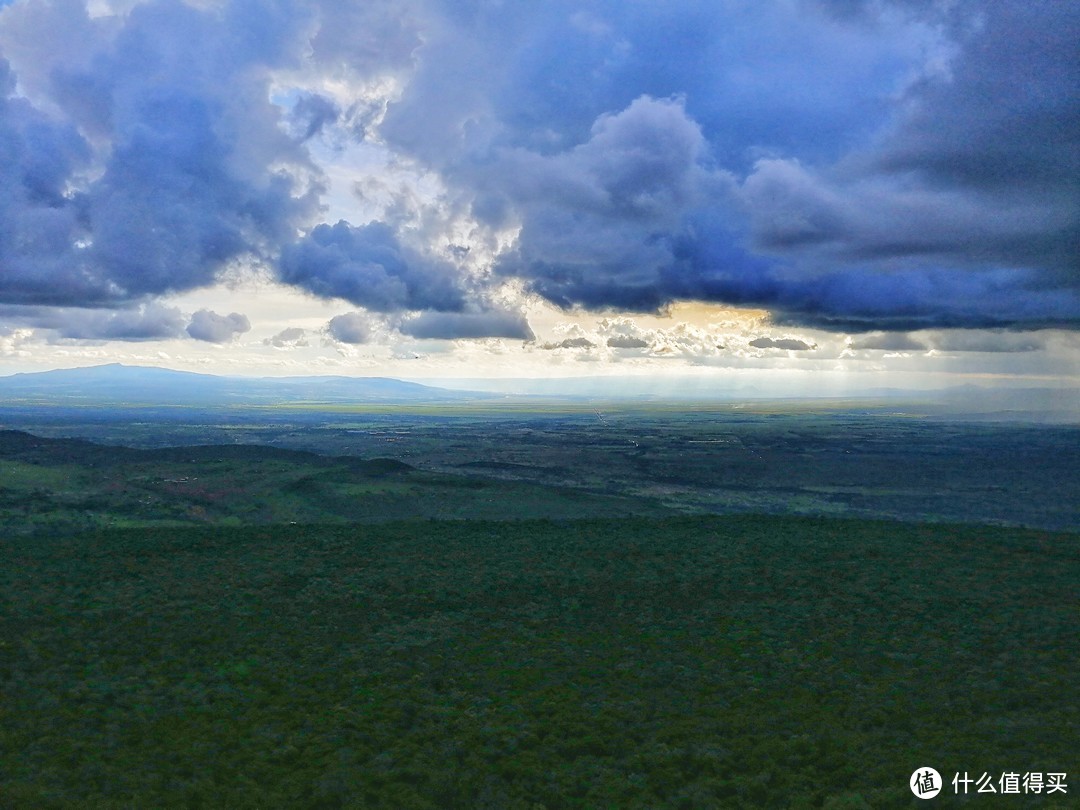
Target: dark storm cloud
(570,343)
(626,342)
(968,213)
(886,220)
(373,37)
(310,114)
(997,342)
(538,75)
(459,325)
(165,163)
(146,322)
(789,344)
(370,267)
(208,326)
(353,328)
(888,342)
(151,322)
(600,134)
(1008,117)
(862,299)
(818,220)
(598,220)
(38,223)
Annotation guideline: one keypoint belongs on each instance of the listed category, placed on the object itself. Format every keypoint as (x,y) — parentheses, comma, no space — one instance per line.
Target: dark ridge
(495,465)
(19,446)
(379,466)
(204,453)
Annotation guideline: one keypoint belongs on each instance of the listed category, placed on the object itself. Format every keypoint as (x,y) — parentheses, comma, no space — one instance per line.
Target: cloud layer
(861,166)
(210,327)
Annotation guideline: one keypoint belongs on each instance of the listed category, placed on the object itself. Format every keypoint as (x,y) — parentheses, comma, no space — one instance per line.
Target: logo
(925,783)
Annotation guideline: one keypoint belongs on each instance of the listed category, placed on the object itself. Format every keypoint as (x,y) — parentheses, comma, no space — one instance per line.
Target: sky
(817,193)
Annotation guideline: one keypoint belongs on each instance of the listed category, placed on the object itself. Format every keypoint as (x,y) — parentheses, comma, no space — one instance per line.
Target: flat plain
(847,459)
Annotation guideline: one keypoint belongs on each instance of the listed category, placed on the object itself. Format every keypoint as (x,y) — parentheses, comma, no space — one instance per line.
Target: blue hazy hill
(117,383)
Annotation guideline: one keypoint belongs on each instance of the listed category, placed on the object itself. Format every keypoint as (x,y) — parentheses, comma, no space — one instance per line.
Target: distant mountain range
(116,383)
